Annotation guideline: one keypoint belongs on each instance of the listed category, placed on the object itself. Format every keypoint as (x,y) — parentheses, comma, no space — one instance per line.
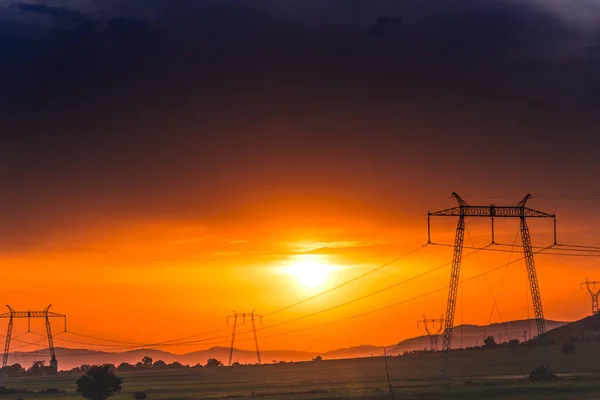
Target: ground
(489,374)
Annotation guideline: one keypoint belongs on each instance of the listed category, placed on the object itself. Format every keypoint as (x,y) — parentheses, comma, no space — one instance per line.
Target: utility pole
(46,314)
(433,336)
(594,293)
(488,211)
(252,316)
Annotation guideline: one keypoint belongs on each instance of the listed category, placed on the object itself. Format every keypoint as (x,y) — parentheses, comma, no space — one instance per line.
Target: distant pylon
(253,316)
(433,336)
(45,314)
(593,293)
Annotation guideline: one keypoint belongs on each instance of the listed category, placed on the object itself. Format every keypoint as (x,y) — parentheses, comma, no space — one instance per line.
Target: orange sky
(148,281)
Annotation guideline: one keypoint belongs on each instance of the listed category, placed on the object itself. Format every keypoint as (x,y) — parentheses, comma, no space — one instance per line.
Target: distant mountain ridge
(465,335)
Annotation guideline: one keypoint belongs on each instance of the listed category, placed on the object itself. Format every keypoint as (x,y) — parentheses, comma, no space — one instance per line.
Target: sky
(167,162)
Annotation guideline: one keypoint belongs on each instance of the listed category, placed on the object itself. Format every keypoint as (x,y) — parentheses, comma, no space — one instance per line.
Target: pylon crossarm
(31,314)
(491,211)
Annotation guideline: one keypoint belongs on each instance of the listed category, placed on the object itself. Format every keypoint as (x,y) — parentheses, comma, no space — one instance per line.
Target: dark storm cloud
(184,108)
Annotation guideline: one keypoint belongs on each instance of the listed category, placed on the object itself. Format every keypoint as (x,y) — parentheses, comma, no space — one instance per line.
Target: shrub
(140,395)
(99,383)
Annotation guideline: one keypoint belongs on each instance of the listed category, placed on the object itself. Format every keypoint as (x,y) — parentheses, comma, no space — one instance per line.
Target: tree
(37,368)
(514,342)
(213,362)
(489,341)
(160,364)
(147,361)
(175,365)
(318,358)
(99,383)
(17,368)
(125,367)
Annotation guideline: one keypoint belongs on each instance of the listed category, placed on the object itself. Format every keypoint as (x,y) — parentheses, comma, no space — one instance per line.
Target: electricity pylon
(593,293)
(433,336)
(46,314)
(489,211)
(253,316)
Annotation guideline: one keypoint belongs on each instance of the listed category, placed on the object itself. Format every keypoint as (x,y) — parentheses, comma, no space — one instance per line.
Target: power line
(356,278)
(546,251)
(175,341)
(205,340)
(345,303)
(345,318)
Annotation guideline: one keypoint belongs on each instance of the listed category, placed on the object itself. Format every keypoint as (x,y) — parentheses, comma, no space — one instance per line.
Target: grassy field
(488,374)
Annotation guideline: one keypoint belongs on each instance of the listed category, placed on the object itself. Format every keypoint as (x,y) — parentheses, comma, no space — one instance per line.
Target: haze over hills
(464,336)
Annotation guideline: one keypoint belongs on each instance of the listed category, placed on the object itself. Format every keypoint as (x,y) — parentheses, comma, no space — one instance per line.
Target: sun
(310,271)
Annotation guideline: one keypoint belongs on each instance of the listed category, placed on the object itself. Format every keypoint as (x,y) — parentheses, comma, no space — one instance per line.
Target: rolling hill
(464,336)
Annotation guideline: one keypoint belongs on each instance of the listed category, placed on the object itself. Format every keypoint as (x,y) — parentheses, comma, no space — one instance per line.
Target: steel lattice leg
(533,281)
(7,343)
(452,293)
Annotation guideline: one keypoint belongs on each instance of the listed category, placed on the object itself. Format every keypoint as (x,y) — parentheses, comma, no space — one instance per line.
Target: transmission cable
(356,278)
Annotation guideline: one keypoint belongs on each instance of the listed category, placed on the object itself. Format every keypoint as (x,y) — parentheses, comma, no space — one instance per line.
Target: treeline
(38,368)
(488,343)
(148,363)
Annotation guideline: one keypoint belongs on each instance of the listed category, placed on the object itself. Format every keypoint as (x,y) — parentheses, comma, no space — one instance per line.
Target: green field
(484,374)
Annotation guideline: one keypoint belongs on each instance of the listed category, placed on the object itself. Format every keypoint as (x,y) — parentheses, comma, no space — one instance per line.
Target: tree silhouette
(318,358)
(160,364)
(489,341)
(147,361)
(125,367)
(37,368)
(213,362)
(99,383)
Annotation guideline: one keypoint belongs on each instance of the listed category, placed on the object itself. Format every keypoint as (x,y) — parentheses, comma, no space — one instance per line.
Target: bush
(99,383)
(542,373)
(140,395)
(213,362)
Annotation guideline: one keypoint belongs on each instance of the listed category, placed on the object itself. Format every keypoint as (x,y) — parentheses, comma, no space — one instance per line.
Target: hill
(583,330)
(464,336)
(473,335)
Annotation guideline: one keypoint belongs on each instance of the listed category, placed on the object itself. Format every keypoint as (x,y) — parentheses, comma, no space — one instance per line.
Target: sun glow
(310,271)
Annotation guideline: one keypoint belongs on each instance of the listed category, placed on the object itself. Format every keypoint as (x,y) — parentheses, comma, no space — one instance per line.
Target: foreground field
(490,374)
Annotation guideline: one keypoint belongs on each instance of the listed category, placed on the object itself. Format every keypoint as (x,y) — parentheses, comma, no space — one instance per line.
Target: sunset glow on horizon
(167,162)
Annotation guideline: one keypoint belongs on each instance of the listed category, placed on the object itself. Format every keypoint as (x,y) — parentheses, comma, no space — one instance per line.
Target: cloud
(208,110)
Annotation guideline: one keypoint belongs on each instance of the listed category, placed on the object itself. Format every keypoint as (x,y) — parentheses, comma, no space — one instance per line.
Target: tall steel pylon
(489,211)
(46,314)
(253,316)
(593,293)
(433,336)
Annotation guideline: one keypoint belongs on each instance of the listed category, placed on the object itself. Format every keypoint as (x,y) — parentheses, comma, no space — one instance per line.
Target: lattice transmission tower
(11,315)
(594,293)
(253,317)
(432,333)
(488,211)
